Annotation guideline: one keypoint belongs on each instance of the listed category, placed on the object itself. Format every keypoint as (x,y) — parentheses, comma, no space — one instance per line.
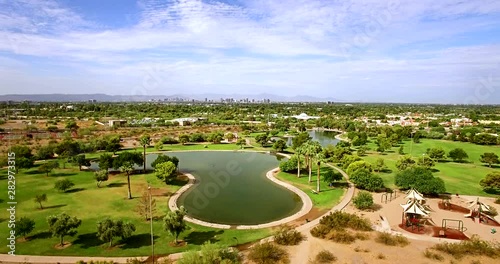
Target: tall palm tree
(145,141)
(299,151)
(311,149)
(320,158)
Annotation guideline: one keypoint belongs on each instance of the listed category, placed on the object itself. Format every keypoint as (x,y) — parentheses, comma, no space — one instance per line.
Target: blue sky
(428,51)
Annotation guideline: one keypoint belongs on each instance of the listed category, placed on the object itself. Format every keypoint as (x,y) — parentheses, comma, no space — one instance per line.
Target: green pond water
(232,187)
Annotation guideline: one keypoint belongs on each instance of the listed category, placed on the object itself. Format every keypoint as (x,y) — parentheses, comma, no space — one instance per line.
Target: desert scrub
(324,256)
(431,255)
(268,253)
(286,235)
(473,247)
(391,240)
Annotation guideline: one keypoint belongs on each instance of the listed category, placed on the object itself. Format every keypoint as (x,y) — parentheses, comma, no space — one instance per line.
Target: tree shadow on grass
(492,191)
(75,190)
(178,182)
(53,206)
(199,238)
(88,240)
(137,241)
(116,184)
(41,235)
(62,174)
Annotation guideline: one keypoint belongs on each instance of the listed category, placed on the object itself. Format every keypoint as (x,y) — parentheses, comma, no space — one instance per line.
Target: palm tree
(311,149)
(320,158)
(128,167)
(299,151)
(145,141)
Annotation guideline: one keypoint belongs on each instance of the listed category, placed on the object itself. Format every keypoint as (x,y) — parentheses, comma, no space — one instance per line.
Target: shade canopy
(479,205)
(414,195)
(414,208)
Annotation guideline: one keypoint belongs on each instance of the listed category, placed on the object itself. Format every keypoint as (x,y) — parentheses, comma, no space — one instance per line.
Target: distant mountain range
(144,98)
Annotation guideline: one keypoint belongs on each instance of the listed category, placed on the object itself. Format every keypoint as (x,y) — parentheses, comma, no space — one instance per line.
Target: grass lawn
(92,204)
(327,198)
(462,178)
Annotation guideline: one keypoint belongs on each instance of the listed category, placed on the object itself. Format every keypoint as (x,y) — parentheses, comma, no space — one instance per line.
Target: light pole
(151,221)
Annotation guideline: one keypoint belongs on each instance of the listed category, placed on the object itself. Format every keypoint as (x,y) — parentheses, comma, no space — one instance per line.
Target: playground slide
(469,215)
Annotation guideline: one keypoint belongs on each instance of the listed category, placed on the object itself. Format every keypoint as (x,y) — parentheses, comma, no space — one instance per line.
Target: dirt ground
(369,251)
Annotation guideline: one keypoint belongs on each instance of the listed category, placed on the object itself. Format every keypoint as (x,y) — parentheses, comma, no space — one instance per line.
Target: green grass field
(92,204)
(326,199)
(462,178)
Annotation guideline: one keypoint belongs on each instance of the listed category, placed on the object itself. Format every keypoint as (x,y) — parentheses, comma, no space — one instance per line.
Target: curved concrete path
(306,205)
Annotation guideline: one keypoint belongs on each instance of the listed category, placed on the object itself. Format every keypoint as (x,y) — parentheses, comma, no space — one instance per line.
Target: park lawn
(461,178)
(326,199)
(92,204)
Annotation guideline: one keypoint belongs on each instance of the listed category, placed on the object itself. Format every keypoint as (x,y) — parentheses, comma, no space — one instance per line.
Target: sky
(425,51)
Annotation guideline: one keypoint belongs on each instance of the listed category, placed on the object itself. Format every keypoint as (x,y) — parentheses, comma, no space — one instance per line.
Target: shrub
(497,200)
(381,256)
(340,220)
(363,200)
(431,255)
(63,185)
(211,253)
(421,179)
(342,237)
(268,253)
(364,179)
(289,165)
(473,247)
(325,256)
(288,236)
(391,240)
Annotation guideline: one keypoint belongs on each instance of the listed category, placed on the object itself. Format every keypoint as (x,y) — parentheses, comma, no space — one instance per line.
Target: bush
(431,255)
(290,165)
(287,236)
(325,256)
(268,253)
(342,237)
(211,253)
(363,200)
(391,240)
(364,179)
(340,220)
(497,200)
(63,185)
(473,247)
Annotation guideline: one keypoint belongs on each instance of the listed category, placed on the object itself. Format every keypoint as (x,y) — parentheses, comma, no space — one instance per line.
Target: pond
(324,138)
(232,187)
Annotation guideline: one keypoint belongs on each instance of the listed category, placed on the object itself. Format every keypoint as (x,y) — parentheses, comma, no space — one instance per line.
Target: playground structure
(415,214)
(478,210)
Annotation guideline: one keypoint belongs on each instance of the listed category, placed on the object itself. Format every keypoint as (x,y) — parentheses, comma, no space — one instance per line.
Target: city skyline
(357,51)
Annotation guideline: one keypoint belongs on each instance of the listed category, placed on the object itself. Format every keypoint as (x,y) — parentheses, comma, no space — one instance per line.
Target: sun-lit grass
(462,178)
(326,199)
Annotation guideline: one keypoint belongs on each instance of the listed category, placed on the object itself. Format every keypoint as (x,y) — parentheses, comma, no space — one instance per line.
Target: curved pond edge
(306,204)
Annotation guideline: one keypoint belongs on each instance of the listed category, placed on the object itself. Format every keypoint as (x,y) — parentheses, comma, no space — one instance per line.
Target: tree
(401,150)
(143,206)
(164,158)
(63,225)
(279,145)
(310,150)
(458,155)
(125,162)
(105,162)
(80,160)
(241,142)
(145,141)
(362,151)
(262,139)
(71,125)
(39,198)
(363,200)
(331,175)
(420,179)
(24,157)
(490,158)
(291,164)
(113,144)
(360,164)
(229,136)
(101,176)
(165,171)
(364,179)
(425,162)
(24,226)
(45,152)
(491,181)
(320,158)
(63,185)
(379,165)
(174,222)
(348,159)
(300,139)
(184,138)
(435,153)
(404,162)
(211,253)
(108,229)
(215,137)
(47,167)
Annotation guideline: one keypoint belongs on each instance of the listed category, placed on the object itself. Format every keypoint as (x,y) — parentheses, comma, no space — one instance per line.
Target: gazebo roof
(414,195)
(480,205)
(414,208)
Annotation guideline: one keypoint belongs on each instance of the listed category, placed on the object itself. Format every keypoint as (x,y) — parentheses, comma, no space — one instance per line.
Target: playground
(452,217)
